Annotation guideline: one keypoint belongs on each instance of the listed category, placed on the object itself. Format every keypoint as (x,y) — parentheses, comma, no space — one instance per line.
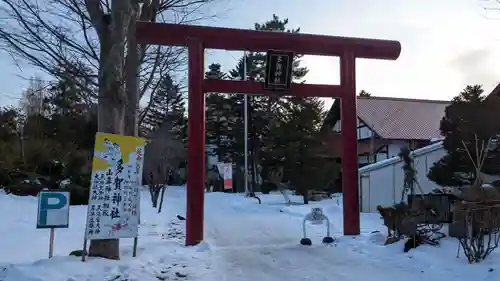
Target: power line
(10,97)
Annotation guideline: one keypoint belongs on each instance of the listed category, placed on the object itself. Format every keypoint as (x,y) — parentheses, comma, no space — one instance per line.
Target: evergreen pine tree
(223,120)
(167,107)
(468,117)
(278,123)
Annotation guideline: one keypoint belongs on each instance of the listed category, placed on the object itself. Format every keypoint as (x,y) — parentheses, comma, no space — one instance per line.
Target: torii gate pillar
(199,38)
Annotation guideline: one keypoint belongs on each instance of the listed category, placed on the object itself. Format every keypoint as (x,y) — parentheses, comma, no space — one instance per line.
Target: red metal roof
(398,118)
(495,93)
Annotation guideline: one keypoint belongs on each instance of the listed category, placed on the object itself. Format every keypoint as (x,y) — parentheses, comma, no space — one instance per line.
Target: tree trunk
(163,189)
(112,99)
(132,79)
(154,190)
(306,197)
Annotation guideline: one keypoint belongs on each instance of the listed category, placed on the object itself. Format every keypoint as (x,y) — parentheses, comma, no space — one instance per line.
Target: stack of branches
(411,222)
(480,227)
(477,213)
(414,221)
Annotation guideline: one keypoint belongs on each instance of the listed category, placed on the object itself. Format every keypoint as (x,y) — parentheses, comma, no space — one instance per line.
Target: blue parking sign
(53,209)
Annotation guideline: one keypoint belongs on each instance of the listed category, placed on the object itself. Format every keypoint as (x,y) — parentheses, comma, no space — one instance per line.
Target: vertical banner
(226,172)
(114,200)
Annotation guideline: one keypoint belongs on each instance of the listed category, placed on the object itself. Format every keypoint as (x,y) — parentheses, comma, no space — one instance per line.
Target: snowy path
(273,252)
(299,263)
(263,244)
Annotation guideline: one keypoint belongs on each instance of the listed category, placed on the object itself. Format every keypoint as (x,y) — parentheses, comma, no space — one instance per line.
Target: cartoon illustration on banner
(113,210)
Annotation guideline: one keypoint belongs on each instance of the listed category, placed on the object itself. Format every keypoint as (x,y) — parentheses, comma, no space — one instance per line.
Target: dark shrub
(267,187)
(79,194)
(24,189)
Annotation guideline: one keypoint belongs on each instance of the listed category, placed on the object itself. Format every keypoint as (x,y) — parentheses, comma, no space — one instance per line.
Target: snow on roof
(397,118)
(396,159)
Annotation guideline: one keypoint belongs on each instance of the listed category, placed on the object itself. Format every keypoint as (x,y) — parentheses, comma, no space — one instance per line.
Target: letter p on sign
(53,209)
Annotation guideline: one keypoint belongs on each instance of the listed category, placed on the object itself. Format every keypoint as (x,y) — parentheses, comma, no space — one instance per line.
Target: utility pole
(244,78)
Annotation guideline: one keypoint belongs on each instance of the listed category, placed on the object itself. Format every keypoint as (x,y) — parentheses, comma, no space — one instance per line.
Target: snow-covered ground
(244,241)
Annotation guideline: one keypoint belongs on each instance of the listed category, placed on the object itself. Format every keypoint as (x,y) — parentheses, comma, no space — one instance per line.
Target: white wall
(381,183)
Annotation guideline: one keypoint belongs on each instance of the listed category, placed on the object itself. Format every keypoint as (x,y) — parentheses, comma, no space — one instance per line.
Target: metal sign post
(245,110)
(53,212)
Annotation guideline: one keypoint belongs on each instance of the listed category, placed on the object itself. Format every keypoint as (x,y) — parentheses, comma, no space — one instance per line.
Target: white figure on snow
(316,216)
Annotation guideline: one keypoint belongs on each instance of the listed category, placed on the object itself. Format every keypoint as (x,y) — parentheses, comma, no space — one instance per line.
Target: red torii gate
(197,38)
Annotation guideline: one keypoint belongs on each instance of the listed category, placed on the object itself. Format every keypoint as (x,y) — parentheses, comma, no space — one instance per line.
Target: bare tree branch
(162,154)
(61,37)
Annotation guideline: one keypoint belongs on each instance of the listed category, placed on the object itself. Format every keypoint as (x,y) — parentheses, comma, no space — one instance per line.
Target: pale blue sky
(446,44)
